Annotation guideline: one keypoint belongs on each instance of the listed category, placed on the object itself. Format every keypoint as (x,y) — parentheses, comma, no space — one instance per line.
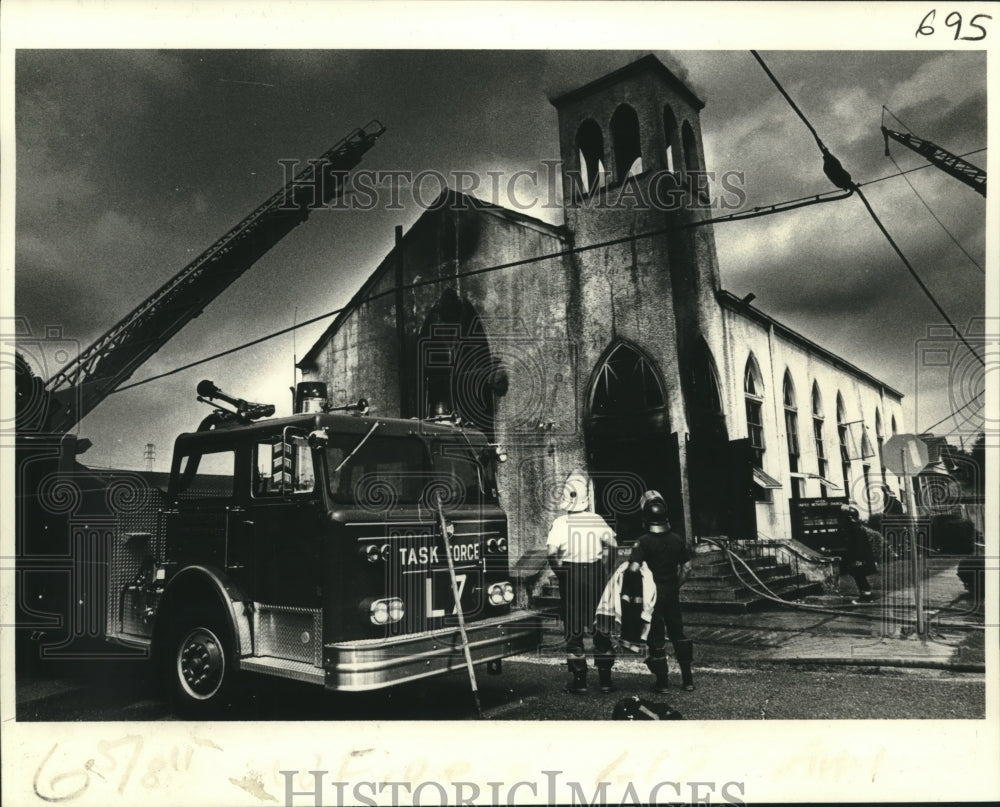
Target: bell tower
(633,160)
(634,174)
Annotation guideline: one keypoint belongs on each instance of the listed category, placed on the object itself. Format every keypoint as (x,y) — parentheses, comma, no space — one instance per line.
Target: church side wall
(774,354)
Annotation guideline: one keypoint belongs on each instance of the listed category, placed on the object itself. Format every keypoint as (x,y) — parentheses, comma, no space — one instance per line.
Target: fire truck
(316,547)
(301,547)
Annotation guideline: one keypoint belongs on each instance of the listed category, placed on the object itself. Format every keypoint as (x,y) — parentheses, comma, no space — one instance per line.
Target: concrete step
(774,582)
(716,594)
(718,564)
(763,572)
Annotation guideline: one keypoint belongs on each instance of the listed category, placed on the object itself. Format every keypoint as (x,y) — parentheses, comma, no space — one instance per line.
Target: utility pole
(906,455)
(149,455)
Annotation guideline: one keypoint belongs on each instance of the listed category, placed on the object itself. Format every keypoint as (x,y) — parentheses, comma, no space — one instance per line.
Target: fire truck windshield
(389,471)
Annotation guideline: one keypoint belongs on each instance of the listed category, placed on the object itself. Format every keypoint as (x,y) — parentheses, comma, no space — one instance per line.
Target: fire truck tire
(201,662)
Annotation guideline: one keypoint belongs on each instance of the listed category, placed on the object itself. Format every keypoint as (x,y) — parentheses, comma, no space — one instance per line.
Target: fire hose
(765,592)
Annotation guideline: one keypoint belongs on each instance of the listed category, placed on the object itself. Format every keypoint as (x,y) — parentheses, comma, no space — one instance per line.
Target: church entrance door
(630,448)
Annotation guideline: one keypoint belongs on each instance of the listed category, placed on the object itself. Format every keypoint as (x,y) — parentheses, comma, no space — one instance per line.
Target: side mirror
(318,438)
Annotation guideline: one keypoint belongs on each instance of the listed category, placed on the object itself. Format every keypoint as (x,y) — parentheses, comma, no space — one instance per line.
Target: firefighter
(667,556)
(859,560)
(578,545)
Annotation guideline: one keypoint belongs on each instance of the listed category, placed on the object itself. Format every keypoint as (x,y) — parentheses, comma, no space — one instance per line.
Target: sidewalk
(834,632)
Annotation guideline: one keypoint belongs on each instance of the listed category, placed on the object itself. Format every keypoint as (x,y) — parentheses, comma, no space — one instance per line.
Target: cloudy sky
(130,163)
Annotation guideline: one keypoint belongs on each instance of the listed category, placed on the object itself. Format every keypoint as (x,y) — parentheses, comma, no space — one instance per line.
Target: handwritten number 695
(953,20)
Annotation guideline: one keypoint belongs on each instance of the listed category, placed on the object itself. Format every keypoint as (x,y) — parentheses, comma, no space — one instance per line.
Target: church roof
(449,199)
(727,298)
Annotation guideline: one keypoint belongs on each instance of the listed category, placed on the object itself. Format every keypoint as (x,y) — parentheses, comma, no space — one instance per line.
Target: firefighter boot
(684,650)
(604,675)
(658,667)
(578,676)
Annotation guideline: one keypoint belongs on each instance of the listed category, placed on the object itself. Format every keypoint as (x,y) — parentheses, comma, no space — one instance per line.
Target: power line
(842,179)
(934,216)
(886,109)
(918,168)
(832,168)
(235,349)
(791,103)
(951,414)
(757,212)
(913,272)
(779,207)
(921,198)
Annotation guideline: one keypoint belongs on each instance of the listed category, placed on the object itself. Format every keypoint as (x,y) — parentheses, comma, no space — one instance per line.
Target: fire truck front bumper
(376,663)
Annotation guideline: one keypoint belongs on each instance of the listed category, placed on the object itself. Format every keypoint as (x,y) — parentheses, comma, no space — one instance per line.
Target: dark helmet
(654,512)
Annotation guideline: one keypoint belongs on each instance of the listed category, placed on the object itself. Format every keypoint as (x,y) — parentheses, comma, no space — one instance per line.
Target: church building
(609,343)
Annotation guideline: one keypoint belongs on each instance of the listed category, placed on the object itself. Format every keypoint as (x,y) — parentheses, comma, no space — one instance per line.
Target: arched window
(694,180)
(879,439)
(817,416)
(590,153)
(671,156)
(459,374)
(866,443)
(625,139)
(690,145)
(845,456)
(753,393)
(792,432)
(626,382)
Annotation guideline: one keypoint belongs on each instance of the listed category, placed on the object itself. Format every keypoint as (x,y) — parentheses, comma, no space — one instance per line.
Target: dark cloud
(130,163)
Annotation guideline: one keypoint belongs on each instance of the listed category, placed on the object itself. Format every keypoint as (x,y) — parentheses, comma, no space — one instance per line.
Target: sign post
(906,455)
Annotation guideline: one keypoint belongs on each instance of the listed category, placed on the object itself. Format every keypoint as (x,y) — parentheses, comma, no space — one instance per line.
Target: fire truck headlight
(501,545)
(372,553)
(383,612)
(508,592)
(384,554)
(380,612)
(491,545)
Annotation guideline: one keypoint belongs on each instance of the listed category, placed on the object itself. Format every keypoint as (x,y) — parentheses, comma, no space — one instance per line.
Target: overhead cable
(757,212)
(842,179)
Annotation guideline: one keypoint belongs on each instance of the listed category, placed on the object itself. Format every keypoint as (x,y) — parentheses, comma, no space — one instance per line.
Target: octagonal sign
(905,454)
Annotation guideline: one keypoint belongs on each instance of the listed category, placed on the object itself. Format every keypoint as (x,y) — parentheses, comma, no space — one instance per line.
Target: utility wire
(780,207)
(967,404)
(235,349)
(917,193)
(913,272)
(918,168)
(886,109)
(757,212)
(791,103)
(842,179)
(934,216)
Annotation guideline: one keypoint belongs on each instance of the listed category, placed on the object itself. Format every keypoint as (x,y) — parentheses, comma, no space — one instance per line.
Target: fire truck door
(240,540)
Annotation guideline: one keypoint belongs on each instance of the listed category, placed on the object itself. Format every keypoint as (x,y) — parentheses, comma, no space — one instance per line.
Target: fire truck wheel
(201,663)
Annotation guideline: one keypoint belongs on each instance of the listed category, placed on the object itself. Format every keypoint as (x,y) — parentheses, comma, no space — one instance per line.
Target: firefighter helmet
(654,512)
(576,492)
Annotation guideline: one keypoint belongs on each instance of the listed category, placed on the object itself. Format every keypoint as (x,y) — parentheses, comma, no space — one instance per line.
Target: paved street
(829,663)
(531,689)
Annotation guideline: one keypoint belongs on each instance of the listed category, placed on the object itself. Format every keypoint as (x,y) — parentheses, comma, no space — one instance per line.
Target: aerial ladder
(88,379)
(58,588)
(950,163)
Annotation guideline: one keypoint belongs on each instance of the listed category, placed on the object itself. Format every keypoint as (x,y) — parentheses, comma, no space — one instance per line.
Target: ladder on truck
(950,163)
(110,360)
